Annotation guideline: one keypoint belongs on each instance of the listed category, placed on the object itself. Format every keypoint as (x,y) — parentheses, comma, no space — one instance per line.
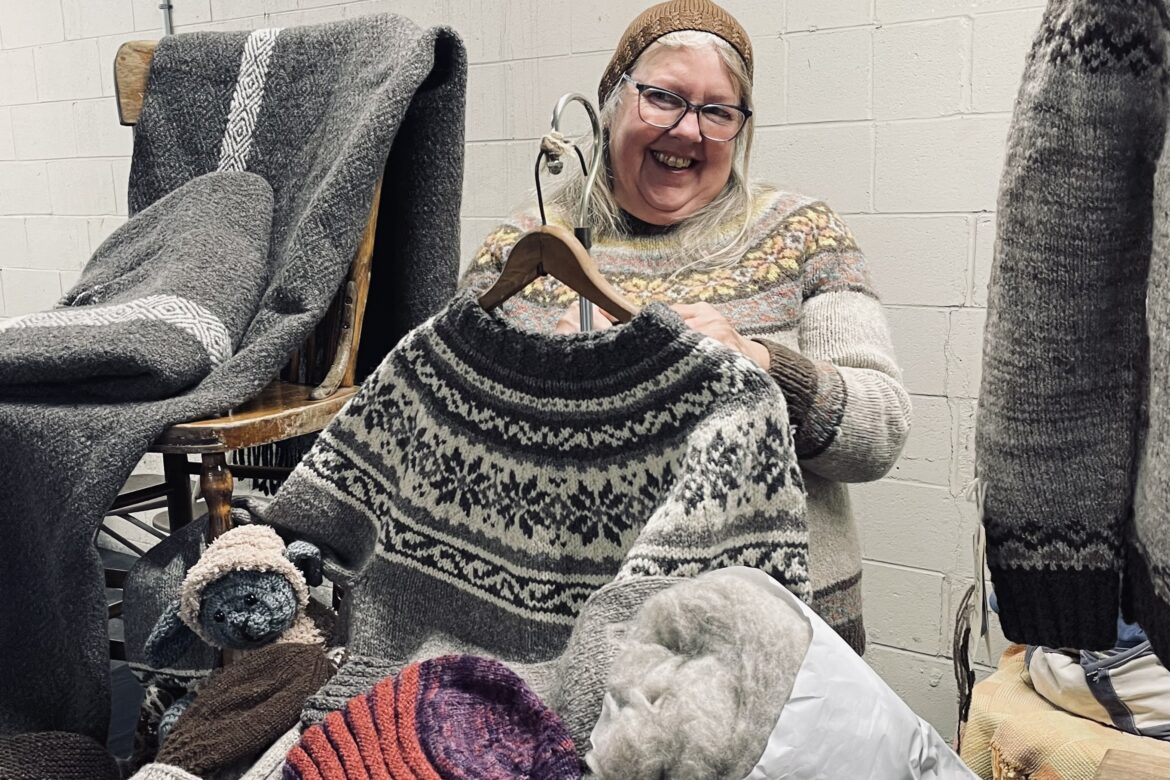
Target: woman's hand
(570,321)
(704,318)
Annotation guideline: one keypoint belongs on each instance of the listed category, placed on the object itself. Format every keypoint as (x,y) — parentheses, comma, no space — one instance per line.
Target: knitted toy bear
(246,591)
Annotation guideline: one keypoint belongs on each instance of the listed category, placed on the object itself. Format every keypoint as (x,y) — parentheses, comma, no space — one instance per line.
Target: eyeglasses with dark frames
(660,107)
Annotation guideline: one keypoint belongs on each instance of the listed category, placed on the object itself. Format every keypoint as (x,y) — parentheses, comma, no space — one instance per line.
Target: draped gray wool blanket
(318,112)
(163,301)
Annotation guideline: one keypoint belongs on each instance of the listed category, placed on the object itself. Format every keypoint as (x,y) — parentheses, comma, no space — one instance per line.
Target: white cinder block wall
(895,111)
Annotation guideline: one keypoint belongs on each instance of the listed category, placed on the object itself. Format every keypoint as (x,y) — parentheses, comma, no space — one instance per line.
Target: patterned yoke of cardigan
(487,481)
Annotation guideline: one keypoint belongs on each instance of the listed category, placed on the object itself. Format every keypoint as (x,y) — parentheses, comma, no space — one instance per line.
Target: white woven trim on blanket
(247,99)
(177,312)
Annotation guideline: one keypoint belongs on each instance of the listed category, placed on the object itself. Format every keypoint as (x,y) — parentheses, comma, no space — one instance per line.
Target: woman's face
(664,176)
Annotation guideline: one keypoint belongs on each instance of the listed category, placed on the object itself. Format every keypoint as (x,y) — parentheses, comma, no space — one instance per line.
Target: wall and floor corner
(896,111)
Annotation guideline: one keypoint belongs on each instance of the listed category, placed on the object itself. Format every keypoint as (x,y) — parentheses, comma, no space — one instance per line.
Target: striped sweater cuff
(158,771)
(796,375)
(815,393)
(357,675)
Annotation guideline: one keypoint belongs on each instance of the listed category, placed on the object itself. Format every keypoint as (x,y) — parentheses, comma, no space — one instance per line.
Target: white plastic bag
(843,721)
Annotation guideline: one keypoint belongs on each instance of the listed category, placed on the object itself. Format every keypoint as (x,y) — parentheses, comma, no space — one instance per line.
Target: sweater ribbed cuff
(356,676)
(796,375)
(1071,609)
(816,395)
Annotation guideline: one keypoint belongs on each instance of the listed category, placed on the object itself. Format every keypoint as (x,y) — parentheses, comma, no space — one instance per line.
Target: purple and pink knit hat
(459,717)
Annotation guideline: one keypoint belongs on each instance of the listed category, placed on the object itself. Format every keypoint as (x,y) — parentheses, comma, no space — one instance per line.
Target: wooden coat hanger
(553,250)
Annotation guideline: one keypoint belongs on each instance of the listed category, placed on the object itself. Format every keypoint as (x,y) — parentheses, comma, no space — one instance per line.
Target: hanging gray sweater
(1064,350)
(1146,588)
(486,481)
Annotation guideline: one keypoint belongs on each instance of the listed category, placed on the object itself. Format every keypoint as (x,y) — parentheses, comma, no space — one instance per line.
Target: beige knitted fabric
(672,16)
(1014,734)
(1001,696)
(1057,745)
(157,771)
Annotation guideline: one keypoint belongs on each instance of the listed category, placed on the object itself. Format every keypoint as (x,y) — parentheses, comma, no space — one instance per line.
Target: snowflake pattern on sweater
(802,287)
(486,480)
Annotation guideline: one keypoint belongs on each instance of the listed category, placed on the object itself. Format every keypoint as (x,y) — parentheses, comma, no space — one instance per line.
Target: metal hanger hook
(553,145)
(555,166)
(595,165)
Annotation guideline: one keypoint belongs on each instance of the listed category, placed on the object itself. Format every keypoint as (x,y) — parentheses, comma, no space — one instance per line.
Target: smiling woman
(773,275)
(665,163)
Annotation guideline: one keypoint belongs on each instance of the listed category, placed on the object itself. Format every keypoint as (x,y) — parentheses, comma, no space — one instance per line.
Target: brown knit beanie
(56,755)
(673,16)
(245,707)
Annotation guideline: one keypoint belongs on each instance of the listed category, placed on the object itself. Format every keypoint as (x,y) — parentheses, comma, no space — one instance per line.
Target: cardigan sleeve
(1065,347)
(844,387)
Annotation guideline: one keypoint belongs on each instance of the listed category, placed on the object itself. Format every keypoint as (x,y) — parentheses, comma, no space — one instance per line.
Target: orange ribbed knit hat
(457,717)
(672,16)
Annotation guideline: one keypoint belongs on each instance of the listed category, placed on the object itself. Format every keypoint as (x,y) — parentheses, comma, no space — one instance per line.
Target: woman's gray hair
(700,231)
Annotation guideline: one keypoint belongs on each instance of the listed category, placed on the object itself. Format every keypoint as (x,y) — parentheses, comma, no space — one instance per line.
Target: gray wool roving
(577,689)
(1063,351)
(337,101)
(704,671)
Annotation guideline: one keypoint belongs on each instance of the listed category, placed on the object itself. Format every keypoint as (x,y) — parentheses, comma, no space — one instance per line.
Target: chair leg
(178,490)
(216,482)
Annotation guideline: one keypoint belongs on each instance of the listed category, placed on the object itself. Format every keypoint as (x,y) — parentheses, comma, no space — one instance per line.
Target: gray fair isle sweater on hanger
(487,481)
(803,290)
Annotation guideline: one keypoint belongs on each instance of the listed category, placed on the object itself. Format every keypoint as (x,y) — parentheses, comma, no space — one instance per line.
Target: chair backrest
(328,358)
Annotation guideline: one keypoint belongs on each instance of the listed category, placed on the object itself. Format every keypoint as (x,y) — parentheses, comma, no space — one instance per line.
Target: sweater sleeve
(1064,345)
(336,497)
(844,387)
(738,499)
